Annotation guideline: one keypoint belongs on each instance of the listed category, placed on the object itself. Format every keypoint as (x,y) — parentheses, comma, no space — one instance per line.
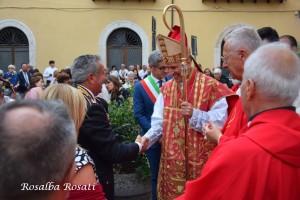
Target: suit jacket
(23,86)
(97,137)
(143,107)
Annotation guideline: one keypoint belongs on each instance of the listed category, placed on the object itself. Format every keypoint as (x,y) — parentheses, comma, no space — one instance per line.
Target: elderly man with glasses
(239,44)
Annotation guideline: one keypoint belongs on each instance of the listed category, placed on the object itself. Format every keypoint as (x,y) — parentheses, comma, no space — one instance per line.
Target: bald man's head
(34,135)
(30,118)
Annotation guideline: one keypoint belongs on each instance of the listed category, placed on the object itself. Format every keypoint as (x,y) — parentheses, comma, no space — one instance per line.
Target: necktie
(26,78)
(160,83)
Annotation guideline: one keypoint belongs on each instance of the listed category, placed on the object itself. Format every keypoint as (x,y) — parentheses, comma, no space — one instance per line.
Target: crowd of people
(216,138)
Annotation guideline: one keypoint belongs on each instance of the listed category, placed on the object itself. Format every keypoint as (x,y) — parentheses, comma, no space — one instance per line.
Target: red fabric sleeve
(220,178)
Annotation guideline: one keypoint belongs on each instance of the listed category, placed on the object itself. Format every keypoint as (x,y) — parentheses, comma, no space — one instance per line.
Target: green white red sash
(151,88)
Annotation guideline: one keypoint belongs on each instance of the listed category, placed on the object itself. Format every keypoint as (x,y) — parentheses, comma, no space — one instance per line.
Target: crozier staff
(205,101)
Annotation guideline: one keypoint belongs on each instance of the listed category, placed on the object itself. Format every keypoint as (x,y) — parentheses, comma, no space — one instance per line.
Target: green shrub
(126,130)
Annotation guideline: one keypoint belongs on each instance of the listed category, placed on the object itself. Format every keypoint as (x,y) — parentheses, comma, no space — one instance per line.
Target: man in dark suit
(96,134)
(24,79)
(145,93)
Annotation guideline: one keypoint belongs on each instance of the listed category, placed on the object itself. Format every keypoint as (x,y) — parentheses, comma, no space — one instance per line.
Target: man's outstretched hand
(144,142)
(211,132)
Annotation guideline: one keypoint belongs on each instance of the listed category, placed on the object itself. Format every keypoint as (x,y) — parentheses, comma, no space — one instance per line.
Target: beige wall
(64,29)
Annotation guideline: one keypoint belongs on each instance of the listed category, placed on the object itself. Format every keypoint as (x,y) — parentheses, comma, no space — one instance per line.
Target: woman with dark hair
(207,72)
(63,78)
(114,87)
(36,87)
(137,77)
(37,74)
(69,80)
(67,71)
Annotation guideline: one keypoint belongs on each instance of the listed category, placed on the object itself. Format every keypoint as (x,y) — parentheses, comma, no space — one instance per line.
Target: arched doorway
(14,47)
(124,46)
(128,25)
(29,35)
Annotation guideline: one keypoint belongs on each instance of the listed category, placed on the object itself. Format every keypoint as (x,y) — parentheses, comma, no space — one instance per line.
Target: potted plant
(131,178)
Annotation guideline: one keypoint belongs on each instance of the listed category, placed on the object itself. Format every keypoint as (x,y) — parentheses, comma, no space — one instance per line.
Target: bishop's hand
(186,108)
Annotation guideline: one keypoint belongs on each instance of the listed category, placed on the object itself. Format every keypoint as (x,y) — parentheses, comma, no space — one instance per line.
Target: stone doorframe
(29,34)
(123,24)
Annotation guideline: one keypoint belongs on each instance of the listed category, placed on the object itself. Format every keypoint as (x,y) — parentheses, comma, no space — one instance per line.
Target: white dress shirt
(297,104)
(157,80)
(218,114)
(104,94)
(142,73)
(49,70)
(125,75)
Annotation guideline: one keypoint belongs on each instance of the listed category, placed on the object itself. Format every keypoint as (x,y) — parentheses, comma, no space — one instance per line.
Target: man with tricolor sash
(145,95)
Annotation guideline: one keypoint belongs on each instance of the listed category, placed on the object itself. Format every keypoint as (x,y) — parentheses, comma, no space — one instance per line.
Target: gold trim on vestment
(203,92)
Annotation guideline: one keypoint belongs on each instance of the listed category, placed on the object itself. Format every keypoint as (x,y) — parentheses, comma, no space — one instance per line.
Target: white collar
(238,92)
(156,80)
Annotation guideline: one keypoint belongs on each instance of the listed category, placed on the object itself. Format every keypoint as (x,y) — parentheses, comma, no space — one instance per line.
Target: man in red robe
(264,162)
(239,44)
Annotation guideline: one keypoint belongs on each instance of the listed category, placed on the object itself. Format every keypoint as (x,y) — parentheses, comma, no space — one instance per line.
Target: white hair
(130,72)
(11,66)
(217,71)
(275,70)
(243,37)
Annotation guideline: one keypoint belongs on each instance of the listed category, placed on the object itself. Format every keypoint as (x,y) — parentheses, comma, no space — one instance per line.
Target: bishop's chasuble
(202,92)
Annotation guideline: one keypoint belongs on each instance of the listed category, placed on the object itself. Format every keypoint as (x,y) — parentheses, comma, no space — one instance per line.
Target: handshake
(143,141)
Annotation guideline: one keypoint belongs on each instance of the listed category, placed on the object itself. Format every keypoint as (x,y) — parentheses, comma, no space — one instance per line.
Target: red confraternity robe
(236,121)
(261,164)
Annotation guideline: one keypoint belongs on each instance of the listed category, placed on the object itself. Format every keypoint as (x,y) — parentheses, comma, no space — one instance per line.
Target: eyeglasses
(224,59)
(173,67)
(163,68)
